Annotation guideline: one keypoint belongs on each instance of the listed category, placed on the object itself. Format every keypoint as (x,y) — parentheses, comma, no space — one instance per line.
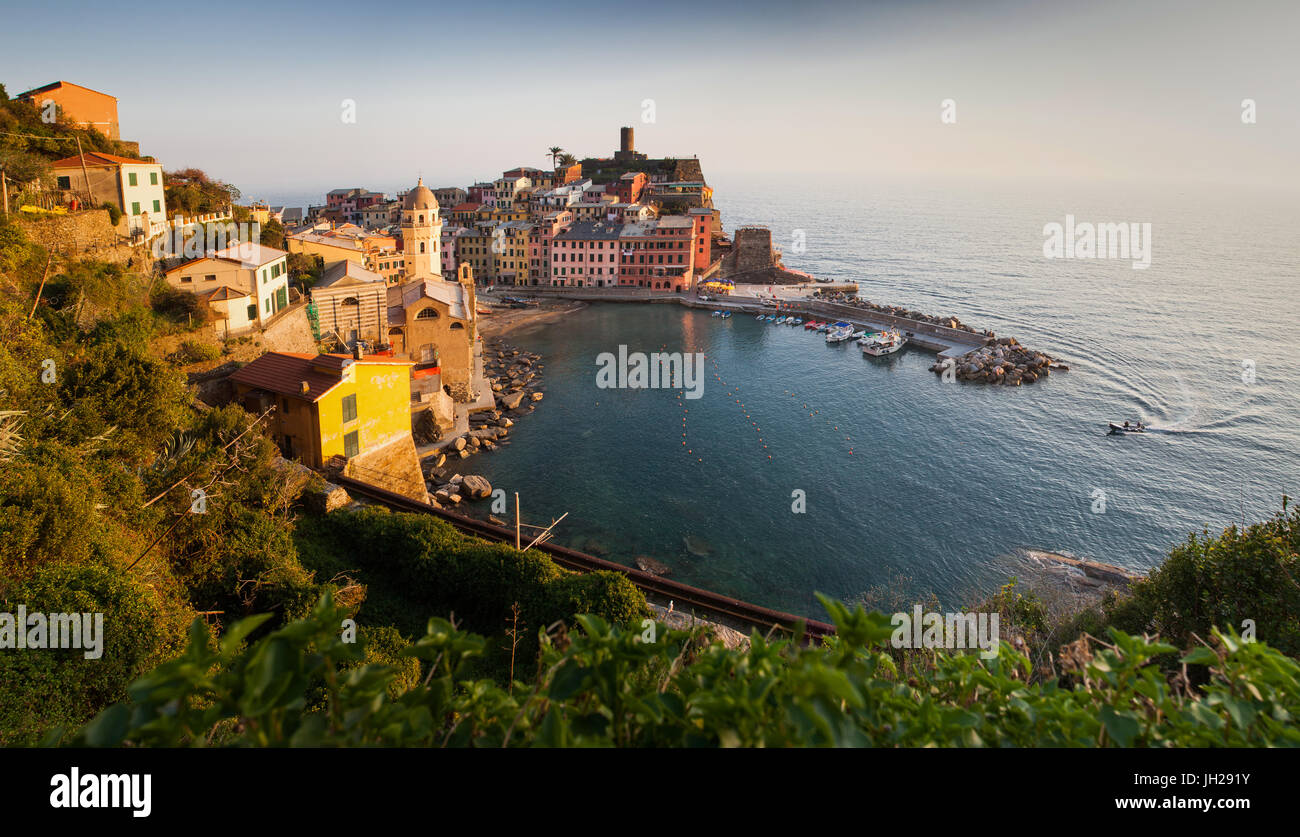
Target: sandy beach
(503,321)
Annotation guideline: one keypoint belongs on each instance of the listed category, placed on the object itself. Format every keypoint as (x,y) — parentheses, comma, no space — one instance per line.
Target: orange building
(81,105)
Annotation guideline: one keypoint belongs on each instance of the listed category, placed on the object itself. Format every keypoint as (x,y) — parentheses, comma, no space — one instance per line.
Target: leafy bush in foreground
(604,686)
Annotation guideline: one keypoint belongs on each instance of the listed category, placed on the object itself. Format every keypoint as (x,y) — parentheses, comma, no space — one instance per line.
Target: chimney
(303,387)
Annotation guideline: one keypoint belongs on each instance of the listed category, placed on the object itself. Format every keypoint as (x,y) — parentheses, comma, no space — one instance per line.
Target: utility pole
(90,190)
(4,190)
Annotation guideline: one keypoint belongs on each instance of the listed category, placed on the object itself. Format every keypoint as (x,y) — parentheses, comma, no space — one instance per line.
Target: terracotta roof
(284,372)
(465,207)
(225,292)
(99,158)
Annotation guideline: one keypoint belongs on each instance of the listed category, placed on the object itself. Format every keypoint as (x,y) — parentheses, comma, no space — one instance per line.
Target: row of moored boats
(874,343)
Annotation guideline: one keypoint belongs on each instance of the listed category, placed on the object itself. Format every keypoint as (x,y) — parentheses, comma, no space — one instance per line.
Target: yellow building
(327,405)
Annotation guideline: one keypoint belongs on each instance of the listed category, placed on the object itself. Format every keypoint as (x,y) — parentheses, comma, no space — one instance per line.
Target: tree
(567,159)
(273,235)
(192,192)
(554,151)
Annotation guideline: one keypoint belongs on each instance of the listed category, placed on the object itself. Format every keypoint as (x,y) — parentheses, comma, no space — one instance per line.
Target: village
(374,364)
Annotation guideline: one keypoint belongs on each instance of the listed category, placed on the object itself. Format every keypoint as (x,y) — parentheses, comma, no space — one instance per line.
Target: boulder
(649,565)
(476,487)
(512,401)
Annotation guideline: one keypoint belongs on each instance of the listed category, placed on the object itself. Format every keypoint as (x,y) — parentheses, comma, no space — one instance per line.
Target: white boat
(759,317)
(839,335)
(883,344)
(1138,427)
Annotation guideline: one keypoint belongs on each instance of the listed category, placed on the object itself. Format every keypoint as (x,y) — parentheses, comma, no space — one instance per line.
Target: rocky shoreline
(1001,361)
(515,377)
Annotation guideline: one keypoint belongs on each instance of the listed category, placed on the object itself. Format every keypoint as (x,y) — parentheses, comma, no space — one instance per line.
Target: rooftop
(285,372)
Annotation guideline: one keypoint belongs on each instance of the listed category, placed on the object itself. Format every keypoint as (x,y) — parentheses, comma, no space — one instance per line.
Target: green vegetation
(192,192)
(102,451)
(605,686)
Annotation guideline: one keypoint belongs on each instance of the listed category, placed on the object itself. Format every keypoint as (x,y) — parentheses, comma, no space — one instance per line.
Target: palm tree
(554,151)
(567,159)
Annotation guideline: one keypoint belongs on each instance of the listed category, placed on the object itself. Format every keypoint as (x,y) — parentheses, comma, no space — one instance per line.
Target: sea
(809,468)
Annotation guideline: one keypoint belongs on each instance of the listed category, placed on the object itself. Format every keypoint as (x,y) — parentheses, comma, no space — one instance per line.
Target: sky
(255,93)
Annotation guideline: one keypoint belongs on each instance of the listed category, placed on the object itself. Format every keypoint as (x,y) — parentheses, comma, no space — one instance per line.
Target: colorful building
(586,255)
(79,105)
(330,404)
(260,272)
(134,186)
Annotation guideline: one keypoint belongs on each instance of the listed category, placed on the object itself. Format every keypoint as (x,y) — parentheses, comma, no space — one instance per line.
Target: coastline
(1066,580)
(504,321)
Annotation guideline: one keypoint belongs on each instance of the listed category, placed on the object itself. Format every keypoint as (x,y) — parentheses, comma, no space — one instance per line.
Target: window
(187,279)
(252,309)
(351,447)
(135,207)
(211,277)
(157,206)
(153,178)
(349,408)
(266,305)
(131,179)
(65,182)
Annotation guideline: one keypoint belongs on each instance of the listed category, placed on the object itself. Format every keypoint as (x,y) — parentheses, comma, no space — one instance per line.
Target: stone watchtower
(421,235)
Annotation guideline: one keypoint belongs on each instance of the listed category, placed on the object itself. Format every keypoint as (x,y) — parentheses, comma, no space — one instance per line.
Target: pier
(945,342)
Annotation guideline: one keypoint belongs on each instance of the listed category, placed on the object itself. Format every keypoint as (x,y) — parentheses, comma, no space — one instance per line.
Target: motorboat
(811,325)
(839,335)
(885,343)
(1126,427)
(716,314)
(797,321)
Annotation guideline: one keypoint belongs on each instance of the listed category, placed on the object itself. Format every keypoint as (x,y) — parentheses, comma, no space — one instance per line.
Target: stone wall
(290,333)
(83,235)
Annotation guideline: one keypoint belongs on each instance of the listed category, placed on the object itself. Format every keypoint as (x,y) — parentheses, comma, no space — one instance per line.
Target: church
(432,319)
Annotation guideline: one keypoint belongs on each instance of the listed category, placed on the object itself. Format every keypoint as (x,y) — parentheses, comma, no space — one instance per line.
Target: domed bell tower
(421,235)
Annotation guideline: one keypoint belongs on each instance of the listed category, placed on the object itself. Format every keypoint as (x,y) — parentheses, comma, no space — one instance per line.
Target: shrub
(592,690)
(114,212)
(42,687)
(193,351)
(180,307)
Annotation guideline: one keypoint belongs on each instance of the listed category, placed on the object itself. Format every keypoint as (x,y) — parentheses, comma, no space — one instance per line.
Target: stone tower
(421,235)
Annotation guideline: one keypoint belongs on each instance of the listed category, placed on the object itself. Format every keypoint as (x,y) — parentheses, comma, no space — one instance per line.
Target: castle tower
(421,235)
(626,144)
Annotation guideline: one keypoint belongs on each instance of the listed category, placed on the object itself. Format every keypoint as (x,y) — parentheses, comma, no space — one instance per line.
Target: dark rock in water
(697,545)
(594,547)
(649,565)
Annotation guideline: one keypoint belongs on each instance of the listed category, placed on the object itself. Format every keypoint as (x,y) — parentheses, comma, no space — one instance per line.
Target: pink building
(586,255)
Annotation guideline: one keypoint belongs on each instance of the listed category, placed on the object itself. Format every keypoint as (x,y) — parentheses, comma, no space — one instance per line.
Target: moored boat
(839,335)
(884,344)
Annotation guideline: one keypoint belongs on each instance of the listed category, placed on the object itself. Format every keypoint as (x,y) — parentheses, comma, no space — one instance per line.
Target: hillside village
(352,326)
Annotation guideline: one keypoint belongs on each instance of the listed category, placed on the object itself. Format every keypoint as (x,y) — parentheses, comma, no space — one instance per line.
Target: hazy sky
(252,92)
